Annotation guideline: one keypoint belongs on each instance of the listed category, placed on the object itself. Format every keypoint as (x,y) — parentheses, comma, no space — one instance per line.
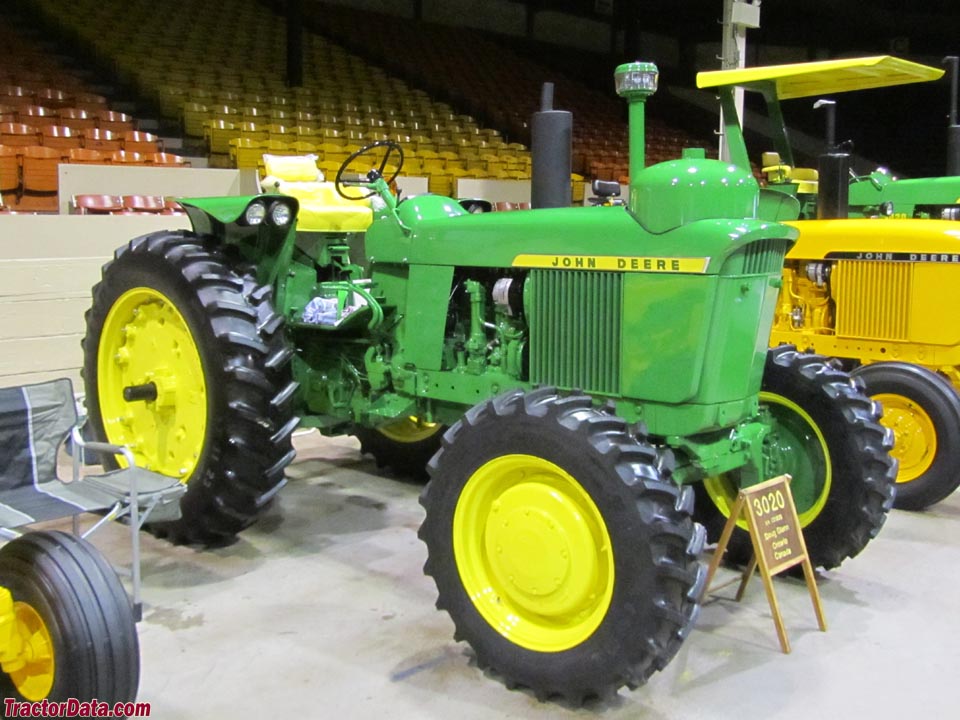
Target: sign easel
(778,545)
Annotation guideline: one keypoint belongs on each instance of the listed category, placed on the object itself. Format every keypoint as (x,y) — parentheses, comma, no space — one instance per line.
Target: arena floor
(322,611)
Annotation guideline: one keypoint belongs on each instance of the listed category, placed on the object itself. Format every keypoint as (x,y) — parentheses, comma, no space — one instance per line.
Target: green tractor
(572,374)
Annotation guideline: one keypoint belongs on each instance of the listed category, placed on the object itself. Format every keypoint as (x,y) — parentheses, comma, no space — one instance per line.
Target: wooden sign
(778,545)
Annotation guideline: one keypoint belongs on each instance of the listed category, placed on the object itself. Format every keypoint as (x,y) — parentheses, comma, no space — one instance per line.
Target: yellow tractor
(876,269)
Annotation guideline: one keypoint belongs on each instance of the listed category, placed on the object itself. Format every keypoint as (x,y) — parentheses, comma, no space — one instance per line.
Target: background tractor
(580,370)
(869,291)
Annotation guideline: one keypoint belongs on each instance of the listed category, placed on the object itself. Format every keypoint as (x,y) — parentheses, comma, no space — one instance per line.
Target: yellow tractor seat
(806,179)
(322,208)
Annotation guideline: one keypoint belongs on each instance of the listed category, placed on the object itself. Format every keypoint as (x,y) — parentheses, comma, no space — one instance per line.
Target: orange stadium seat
(17,134)
(92,204)
(9,170)
(144,203)
(87,157)
(59,136)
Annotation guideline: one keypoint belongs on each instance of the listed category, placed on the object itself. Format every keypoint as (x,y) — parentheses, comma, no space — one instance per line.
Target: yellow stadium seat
(246,152)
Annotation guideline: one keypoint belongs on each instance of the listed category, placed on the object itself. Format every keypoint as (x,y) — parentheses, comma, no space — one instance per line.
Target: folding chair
(34,421)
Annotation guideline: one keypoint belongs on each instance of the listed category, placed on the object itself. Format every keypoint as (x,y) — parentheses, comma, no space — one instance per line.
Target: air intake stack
(636,82)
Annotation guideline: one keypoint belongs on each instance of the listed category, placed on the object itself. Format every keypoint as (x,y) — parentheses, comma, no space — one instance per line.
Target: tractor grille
(575,334)
(764,256)
(872,299)
(758,258)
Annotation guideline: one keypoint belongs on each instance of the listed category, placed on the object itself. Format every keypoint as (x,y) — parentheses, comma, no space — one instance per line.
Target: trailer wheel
(560,548)
(185,361)
(923,411)
(73,613)
(406,445)
(826,433)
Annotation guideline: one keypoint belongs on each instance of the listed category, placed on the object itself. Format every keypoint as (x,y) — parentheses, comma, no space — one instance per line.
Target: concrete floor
(322,611)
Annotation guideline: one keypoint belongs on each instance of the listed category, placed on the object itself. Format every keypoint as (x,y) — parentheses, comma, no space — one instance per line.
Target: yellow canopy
(825,77)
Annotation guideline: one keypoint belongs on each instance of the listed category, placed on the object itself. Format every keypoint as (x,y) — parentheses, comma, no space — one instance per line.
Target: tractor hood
(906,240)
(921,191)
(438,234)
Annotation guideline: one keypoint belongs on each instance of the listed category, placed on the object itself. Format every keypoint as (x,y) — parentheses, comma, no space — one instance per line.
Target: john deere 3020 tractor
(869,281)
(586,367)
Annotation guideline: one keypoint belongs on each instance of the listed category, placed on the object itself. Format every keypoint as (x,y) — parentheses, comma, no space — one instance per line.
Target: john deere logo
(896,256)
(615,263)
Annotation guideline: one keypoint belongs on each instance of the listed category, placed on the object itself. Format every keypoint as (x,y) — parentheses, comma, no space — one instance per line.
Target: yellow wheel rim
(915,444)
(812,472)
(409,430)
(533,553)
(146,340)
(34,678)
(723,491)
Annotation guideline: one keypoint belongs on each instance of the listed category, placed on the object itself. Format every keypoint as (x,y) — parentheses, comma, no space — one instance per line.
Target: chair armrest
(98,447)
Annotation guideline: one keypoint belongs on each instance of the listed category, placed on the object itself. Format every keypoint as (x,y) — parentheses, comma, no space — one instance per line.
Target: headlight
(950,213)
(255,213)
(886,208)
(280,214)
(636,79)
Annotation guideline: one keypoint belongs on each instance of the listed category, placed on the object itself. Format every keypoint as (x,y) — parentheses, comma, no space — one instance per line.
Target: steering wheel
(374,174)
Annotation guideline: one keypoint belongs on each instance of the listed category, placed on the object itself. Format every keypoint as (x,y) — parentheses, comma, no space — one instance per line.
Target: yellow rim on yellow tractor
(409,430)
(146,343)
(533,553)
(812,473)
(34,678)
(916,436)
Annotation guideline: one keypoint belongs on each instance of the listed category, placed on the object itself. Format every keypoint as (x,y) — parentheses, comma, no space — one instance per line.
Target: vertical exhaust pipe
(833,170)
(551,151)
(953,129)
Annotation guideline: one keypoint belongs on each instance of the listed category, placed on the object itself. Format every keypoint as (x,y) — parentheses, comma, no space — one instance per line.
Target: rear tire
(173,309)
(560,548)
(66,589)
(923,410)
(405,446)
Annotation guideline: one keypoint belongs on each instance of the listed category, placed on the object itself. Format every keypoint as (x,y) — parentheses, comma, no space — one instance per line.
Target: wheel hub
(794,445)
(32,672)
(151,385)
(534,538)
(533,552)
(916,435)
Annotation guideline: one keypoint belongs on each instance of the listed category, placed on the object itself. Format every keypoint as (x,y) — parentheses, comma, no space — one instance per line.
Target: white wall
(175,182)
(48,265)
(494,190)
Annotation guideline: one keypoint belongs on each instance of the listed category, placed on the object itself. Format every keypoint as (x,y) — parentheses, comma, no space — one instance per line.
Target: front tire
(826,433)
(71,605)
(923,410)
(177,321)
(560,549)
